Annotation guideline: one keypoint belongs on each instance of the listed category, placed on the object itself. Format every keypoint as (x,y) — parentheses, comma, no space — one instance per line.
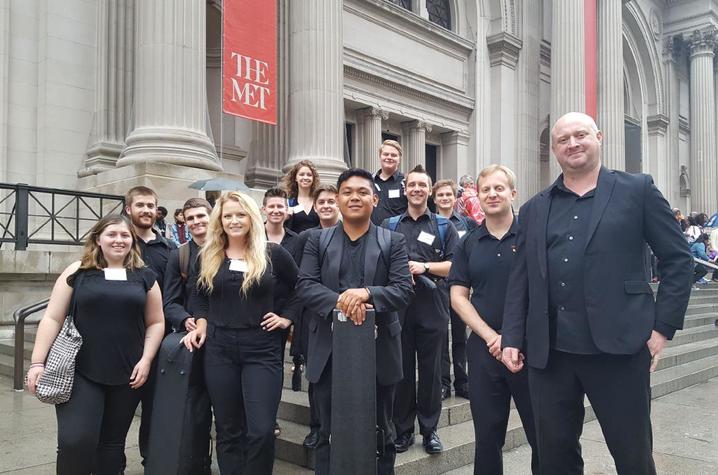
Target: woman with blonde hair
(118,311)
(244,295)
(300,183)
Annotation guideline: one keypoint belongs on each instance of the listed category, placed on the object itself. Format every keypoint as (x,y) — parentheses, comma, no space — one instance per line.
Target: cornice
(504,49)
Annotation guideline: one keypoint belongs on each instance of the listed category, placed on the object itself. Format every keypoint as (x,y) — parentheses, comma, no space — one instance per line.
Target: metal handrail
(19,316)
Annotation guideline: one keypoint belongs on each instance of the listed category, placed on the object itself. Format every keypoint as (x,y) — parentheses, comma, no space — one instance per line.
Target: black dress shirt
(462,224)
(482,263)
(177,294)
(351,271)
(392,199)
(422,250)
(228,306)
(155,253)
(566,235)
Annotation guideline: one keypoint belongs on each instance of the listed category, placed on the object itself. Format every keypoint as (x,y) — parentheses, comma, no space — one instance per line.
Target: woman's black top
(302,220)
(110,316)
(227,306)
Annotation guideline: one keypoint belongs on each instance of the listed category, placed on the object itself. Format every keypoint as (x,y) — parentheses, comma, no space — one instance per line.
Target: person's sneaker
(312,439)
(445,393)
(462,393)
(432,444)
(403,442)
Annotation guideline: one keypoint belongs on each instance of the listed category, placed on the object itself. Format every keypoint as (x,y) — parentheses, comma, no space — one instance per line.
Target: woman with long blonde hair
(244,295)
(300,182)
(118,312)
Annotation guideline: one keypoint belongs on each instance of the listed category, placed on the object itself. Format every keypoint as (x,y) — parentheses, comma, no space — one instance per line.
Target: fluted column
(610,83)
(170,106)
(268,149)
(316,110)
(370,123)
(671,55)
(568,88)
(703,121)
(113,85)
(415,144)
(4,89)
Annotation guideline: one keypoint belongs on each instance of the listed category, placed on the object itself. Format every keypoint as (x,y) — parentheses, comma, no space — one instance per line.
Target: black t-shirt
(351,271)
(301,220)
(392,199)
(156,253)
(423,242)
(110,316)
(227,306)
(482,263)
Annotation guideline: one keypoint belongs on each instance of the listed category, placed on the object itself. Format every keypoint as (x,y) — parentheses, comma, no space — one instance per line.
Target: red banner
(249,73)
(590,26)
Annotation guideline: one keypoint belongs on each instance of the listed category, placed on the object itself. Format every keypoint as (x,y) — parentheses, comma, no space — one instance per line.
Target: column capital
(459,137)
(672,48)
(417,124)
(702,42)
(372,112)
(504,49)
(657,124)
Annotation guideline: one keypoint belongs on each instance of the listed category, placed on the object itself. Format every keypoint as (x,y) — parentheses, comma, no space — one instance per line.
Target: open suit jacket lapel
(333,259)
(604,190)
(371,255)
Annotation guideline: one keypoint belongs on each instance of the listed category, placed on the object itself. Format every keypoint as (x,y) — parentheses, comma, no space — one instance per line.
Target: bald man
(581,314)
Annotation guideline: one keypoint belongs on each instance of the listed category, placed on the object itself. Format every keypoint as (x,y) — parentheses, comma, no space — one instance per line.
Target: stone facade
(93,94)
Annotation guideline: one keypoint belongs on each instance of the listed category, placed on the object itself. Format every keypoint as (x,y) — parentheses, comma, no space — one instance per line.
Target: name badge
(115,274)
(426,238)
(297,209)
(461,234)
(395,193)
(378,188)
(238,265)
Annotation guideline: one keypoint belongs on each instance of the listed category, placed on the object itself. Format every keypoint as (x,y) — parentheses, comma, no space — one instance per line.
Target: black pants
(384,407)
(699,272)
(243,370)
(421,341)
(92,427)
(618,387)
(458,355)
(304,345)
(148,396)
(491,387)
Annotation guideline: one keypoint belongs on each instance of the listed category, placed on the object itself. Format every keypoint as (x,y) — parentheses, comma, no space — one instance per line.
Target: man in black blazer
(350,273)
(579,306)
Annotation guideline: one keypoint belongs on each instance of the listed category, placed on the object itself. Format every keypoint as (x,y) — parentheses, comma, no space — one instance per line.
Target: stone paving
(685,426)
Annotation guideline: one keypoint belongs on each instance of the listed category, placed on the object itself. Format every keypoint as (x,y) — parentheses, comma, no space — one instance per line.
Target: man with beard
(141,207)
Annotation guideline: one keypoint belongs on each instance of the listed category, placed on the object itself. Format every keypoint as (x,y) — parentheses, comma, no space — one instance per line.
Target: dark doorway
(431,160)
(634,160)
(348,145)
(388,136)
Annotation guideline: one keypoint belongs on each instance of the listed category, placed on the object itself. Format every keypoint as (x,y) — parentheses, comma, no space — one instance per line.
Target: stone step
(695,309)
(7,347)
(690,335)
(700,319)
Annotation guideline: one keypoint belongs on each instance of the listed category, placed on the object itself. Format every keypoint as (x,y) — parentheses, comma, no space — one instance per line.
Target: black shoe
(432,444)
(403,442)
(445,393)
(462,393)
(311,440)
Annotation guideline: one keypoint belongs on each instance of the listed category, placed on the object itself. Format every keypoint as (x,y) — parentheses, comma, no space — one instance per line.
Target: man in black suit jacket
(580,307)
(350,274)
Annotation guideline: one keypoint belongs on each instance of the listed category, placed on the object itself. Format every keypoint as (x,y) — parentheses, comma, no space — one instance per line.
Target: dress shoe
(445,393)
(432,444)
(311,440)
(403,442)
(462,392)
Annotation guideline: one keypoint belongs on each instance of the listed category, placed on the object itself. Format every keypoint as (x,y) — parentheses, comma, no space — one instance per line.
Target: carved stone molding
(703,41)
(504,49)
(657,124)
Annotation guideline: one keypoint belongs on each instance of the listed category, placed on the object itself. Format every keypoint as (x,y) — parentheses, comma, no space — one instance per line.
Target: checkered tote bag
(55,383)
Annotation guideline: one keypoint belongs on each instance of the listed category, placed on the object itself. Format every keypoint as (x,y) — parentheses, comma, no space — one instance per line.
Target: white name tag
(426,238)
(394,193)
(115,274)
(461,234)
(297,209)
(378,188)
(238,265)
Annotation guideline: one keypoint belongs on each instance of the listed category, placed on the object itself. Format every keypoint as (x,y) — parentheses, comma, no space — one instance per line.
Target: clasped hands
(353,304)
(196,338)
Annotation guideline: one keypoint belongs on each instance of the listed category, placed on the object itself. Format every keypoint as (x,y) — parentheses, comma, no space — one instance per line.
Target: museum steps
(690,358)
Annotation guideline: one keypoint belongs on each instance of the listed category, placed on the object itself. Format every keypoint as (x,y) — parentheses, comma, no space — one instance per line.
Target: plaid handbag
(55,383)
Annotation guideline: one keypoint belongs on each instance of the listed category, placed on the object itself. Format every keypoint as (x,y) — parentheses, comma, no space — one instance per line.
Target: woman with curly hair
(300,183)
(244,296)
(118,312)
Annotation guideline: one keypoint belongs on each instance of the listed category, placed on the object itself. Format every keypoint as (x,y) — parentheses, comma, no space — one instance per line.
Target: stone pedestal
(316,103)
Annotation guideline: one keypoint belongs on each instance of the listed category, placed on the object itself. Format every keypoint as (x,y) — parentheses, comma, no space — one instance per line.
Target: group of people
(702,243)
(556,305)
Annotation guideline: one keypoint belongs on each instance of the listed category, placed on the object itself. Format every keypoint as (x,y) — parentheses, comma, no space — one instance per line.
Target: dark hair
(703,238)
(701,219)
(359,172)
(274,193)
(289,181)
(420,169)
(324,188)
(139,190)
(177,211)
(163,209)
(197,203)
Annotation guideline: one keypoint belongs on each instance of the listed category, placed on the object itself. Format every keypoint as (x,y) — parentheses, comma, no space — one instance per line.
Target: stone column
(113,84)
(610,83)
(268,147)
(4,89)
(568,91)
(170,106)
(370,123)
(316,103)
(703,121)
(673,97)
(415,144)
(454,156)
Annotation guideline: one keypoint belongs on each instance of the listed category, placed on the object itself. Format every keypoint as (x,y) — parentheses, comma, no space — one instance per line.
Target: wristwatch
(426,266)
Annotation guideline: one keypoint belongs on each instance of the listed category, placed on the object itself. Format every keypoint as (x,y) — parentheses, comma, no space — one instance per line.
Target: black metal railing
(19,316)
(38,215)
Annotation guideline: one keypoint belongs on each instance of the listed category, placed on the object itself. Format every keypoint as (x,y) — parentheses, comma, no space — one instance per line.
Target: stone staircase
(691,357)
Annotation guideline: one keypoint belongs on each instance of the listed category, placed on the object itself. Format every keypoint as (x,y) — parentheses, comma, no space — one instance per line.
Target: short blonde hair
(493,168)
(392,143)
